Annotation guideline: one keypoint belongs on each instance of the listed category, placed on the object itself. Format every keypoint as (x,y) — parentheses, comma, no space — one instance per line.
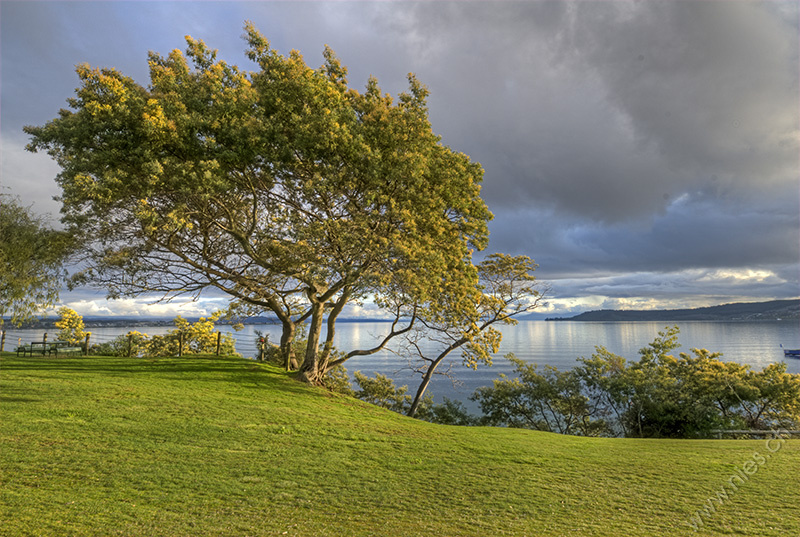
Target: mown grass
(209,446)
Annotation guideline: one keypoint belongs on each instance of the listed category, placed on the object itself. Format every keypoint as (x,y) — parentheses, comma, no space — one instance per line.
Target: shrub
(198,338)
(450,412)
(71,326)
(132,344)
(659,395)
(382,392)
(544,400)
(337,380)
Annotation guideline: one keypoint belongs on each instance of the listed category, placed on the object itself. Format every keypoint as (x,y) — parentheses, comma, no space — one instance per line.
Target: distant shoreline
(774,310)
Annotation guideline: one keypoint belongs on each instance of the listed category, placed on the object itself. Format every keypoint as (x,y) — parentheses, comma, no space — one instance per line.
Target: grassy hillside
(202,446)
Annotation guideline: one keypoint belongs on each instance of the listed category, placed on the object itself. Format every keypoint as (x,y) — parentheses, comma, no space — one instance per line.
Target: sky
(646,154)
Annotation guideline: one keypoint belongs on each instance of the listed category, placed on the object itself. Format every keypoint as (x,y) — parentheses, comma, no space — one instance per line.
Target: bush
(133,344)
(198,338)
(382,392)
(71,327)
(337,380)
(450,412)
(657,396)
(546,400)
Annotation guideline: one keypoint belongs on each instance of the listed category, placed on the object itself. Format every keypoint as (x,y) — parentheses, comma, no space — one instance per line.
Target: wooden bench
(53,348)
(64,347)
(38,347)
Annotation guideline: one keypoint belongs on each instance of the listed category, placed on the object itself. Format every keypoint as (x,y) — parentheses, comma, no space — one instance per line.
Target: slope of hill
(213,446)
(741,311)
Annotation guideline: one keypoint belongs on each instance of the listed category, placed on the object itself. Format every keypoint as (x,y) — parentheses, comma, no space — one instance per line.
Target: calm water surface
(557,344)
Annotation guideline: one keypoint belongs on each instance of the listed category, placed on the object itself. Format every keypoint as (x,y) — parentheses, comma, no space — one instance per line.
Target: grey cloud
(602,109)
(30,177)
(618,137)
(708,83)
(693,232)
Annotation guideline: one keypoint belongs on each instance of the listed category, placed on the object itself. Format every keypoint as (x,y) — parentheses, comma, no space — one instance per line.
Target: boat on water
(793,353)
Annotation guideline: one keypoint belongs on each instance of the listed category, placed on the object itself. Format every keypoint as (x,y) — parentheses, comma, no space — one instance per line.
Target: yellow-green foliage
(299,191)
(198,338)
(70,325)
(134,343)
(659,395)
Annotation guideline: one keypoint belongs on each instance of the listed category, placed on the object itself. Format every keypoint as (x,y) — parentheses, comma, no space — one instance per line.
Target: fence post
(130,343)
(219,342)
(3,341)
(86,344)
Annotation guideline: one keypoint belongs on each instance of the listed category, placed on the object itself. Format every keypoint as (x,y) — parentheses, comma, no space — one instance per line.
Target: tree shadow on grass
(7,399)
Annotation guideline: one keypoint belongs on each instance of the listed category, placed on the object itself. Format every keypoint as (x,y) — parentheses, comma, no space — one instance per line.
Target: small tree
(605,381)
(661,395)
(506,288)
(70,325)
(450,412)
(197,338)
(381,391)
(768,399)
(545,400)
(132,344)
(31,262)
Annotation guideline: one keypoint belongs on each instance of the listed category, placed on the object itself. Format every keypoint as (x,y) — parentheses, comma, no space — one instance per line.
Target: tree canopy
(31,262)
(282,187)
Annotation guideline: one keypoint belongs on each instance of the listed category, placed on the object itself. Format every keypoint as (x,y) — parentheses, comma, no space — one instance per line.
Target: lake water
(557,344)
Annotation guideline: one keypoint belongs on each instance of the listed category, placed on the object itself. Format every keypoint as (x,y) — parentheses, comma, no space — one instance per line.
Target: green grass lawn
(208,446)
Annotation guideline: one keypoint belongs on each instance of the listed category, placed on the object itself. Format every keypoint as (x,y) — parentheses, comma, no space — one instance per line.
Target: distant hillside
(742,311)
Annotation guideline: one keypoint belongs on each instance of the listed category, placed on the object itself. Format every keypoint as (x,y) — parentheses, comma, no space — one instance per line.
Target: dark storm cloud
(690,233)
(711,86)
(643,138)
(631,148)
(610,109)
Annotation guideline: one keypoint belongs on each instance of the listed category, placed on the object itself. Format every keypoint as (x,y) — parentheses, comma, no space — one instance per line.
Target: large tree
(281,187)
(31,262)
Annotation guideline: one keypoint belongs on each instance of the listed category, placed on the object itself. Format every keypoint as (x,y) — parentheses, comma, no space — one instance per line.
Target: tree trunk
(426,379)
(324,359)
(287,338)
(310,371)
